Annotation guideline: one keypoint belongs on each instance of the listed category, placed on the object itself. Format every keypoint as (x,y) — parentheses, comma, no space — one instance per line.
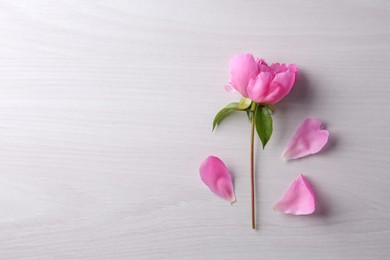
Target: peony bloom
(261,83)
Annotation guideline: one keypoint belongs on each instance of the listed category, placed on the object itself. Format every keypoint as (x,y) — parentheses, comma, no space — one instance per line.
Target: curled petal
(263,66)
(299,198)
(242,68)
(258,87)
(216,176)
(282,83)
(309,138)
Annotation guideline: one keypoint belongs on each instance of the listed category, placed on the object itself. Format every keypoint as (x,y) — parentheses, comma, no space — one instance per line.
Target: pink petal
(243,67)
(263,66)
(282,83)
(278,68)
(258,87)
(299,198)
(308,139)
(229,88)
(216,176)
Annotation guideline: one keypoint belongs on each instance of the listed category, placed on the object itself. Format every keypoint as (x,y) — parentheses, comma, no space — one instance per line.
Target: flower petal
(216,176)
(299,198)
(243,67)
(308,139)
(263,66)
(258,87)
(229,88)
(277,67)
(282,83)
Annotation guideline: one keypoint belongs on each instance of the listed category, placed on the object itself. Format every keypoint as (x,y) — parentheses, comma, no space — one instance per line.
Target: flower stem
(253,109)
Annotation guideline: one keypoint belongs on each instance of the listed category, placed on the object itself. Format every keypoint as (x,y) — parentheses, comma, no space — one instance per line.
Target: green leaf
(263,122)
(249,114)
(244,103)
(224,112)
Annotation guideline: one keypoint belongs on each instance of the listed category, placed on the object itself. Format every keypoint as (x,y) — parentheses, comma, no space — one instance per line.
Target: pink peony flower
(261,83)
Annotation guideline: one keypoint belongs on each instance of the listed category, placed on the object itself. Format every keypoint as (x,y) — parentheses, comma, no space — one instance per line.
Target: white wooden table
(106,111)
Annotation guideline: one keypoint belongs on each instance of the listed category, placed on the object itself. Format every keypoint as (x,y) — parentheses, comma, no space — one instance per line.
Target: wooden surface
(106,111)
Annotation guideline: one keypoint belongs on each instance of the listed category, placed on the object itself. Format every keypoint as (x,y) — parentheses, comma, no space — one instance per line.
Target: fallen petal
(309,138)
(216,176)
(299,198)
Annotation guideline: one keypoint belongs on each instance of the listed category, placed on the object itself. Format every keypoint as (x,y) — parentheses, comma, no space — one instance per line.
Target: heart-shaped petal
(299,198)
(216,176)
(309,138)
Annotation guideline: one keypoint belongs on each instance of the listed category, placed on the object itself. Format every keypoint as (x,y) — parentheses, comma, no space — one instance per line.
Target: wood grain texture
(105,115)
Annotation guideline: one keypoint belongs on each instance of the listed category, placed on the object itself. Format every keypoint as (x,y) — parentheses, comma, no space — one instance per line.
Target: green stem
(253,109)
